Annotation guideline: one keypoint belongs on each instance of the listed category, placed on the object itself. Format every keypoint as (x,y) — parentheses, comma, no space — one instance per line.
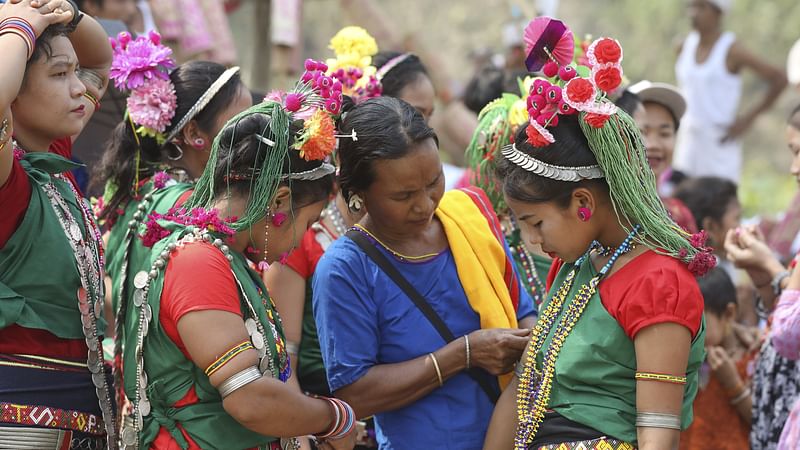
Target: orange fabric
(716,423)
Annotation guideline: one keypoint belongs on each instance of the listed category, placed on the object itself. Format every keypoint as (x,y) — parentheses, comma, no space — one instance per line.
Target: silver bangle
(466,342)
(658,420)
(292,348)
(746,393)
(239,380)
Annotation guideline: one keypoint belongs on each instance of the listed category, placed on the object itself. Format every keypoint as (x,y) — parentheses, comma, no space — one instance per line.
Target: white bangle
(466,342)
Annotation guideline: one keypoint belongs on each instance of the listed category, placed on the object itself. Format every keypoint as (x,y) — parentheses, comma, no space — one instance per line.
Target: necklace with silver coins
(142,282)
(332,212)
(88,253)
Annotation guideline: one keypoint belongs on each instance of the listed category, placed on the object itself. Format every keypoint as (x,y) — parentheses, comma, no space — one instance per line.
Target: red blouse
(649,290)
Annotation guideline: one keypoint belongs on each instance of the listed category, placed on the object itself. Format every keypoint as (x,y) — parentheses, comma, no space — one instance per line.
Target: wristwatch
(77,16)
(776,282)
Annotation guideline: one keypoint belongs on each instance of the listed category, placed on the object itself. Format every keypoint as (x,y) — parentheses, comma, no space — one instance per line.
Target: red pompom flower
(608,79)
(596,120)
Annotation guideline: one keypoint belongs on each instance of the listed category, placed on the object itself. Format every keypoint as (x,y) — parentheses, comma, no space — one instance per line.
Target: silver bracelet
(746,393)
(239,380)
(466,342)
(293,348)
(658,420)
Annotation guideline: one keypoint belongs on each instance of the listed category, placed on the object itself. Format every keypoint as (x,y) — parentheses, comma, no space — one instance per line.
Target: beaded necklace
(397,255)
(255,329)
(525,258)
(535,386)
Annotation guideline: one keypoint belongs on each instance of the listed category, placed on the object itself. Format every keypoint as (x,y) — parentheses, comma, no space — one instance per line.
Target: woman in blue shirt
(382,354)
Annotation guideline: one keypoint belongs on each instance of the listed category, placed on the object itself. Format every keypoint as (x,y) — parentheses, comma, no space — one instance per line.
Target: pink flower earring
(279,219)
(199,143)
(584,214)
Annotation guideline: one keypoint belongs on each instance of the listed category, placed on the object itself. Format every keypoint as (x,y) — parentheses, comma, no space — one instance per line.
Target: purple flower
(138,61)
(160,179)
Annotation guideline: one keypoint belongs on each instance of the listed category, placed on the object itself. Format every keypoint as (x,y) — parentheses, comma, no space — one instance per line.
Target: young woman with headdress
(497,124)
(613,360)
(205,357)
(160,148)
(51,394)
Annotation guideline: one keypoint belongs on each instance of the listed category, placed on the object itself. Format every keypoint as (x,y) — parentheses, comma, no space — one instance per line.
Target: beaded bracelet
(662,377)
(227,357)
(21,28)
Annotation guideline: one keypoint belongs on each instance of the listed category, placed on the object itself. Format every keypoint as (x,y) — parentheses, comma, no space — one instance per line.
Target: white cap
(723,5)
(793,64)
(662,93)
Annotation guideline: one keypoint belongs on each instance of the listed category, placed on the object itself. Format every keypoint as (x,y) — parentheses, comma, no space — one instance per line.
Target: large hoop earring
(180,153)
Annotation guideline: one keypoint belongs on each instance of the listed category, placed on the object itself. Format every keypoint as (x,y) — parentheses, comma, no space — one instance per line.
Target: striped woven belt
(594,444)
(49,417)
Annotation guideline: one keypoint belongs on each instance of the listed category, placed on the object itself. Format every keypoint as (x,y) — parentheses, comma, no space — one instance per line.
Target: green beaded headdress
(612,136)
(307,102)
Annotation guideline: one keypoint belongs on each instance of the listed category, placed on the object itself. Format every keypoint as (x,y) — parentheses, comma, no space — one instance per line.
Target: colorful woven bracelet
(9,29)
(227,357)
(661,377)
(22,28)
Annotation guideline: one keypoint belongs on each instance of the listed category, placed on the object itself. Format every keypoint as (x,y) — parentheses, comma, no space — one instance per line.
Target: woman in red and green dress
(144,173)
(613,360)
(205,359)
(51,394)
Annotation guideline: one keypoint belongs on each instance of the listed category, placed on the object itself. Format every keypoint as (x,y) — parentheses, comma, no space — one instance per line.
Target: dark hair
(570,149)
(387,128)
(240,150)
(718,290)
(118,166)
(43,47)
(628,102)
(706,197)
(407,72)
(486,85)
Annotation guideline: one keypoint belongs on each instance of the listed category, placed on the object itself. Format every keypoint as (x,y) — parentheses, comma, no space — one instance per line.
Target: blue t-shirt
(364,319)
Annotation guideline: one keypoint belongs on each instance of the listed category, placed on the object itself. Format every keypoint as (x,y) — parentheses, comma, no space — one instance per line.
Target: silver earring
(356,203)
(180,153)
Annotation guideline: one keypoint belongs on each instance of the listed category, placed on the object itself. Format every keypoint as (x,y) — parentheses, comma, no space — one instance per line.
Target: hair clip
(352,135)
(265,140)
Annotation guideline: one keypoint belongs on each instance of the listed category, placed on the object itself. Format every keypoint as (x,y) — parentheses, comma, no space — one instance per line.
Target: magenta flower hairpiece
(139,60)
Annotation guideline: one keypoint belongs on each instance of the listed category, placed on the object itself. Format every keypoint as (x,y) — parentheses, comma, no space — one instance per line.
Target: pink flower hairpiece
(141,66)
(550,46)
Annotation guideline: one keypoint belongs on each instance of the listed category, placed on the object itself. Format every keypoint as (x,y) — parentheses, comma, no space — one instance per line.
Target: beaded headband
(560,173)
(203,101)
(391,64)
(316,173)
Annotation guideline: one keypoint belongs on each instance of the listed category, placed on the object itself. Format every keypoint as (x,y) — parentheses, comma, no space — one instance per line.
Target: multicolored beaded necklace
(533,394)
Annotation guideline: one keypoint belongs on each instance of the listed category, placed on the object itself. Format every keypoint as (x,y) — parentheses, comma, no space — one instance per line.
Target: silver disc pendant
(140,280)
(258,340)
(128,436)
(263,365)
(145,327)
(251,326)
(93,361)
(75,232)
(98,379)
(138,297)
(148,312)
(144,407)
(98,308)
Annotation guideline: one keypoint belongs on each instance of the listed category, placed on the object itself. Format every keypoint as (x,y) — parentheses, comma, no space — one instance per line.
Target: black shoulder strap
(476,374)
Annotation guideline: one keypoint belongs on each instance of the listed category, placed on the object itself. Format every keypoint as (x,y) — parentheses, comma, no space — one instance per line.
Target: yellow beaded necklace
(397,255)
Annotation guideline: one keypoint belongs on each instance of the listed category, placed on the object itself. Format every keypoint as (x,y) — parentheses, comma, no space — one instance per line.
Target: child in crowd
(722,409)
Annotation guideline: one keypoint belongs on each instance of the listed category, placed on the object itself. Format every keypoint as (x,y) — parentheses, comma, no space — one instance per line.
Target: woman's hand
(346,443)
(747,248)
(39,13)
(497,350)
